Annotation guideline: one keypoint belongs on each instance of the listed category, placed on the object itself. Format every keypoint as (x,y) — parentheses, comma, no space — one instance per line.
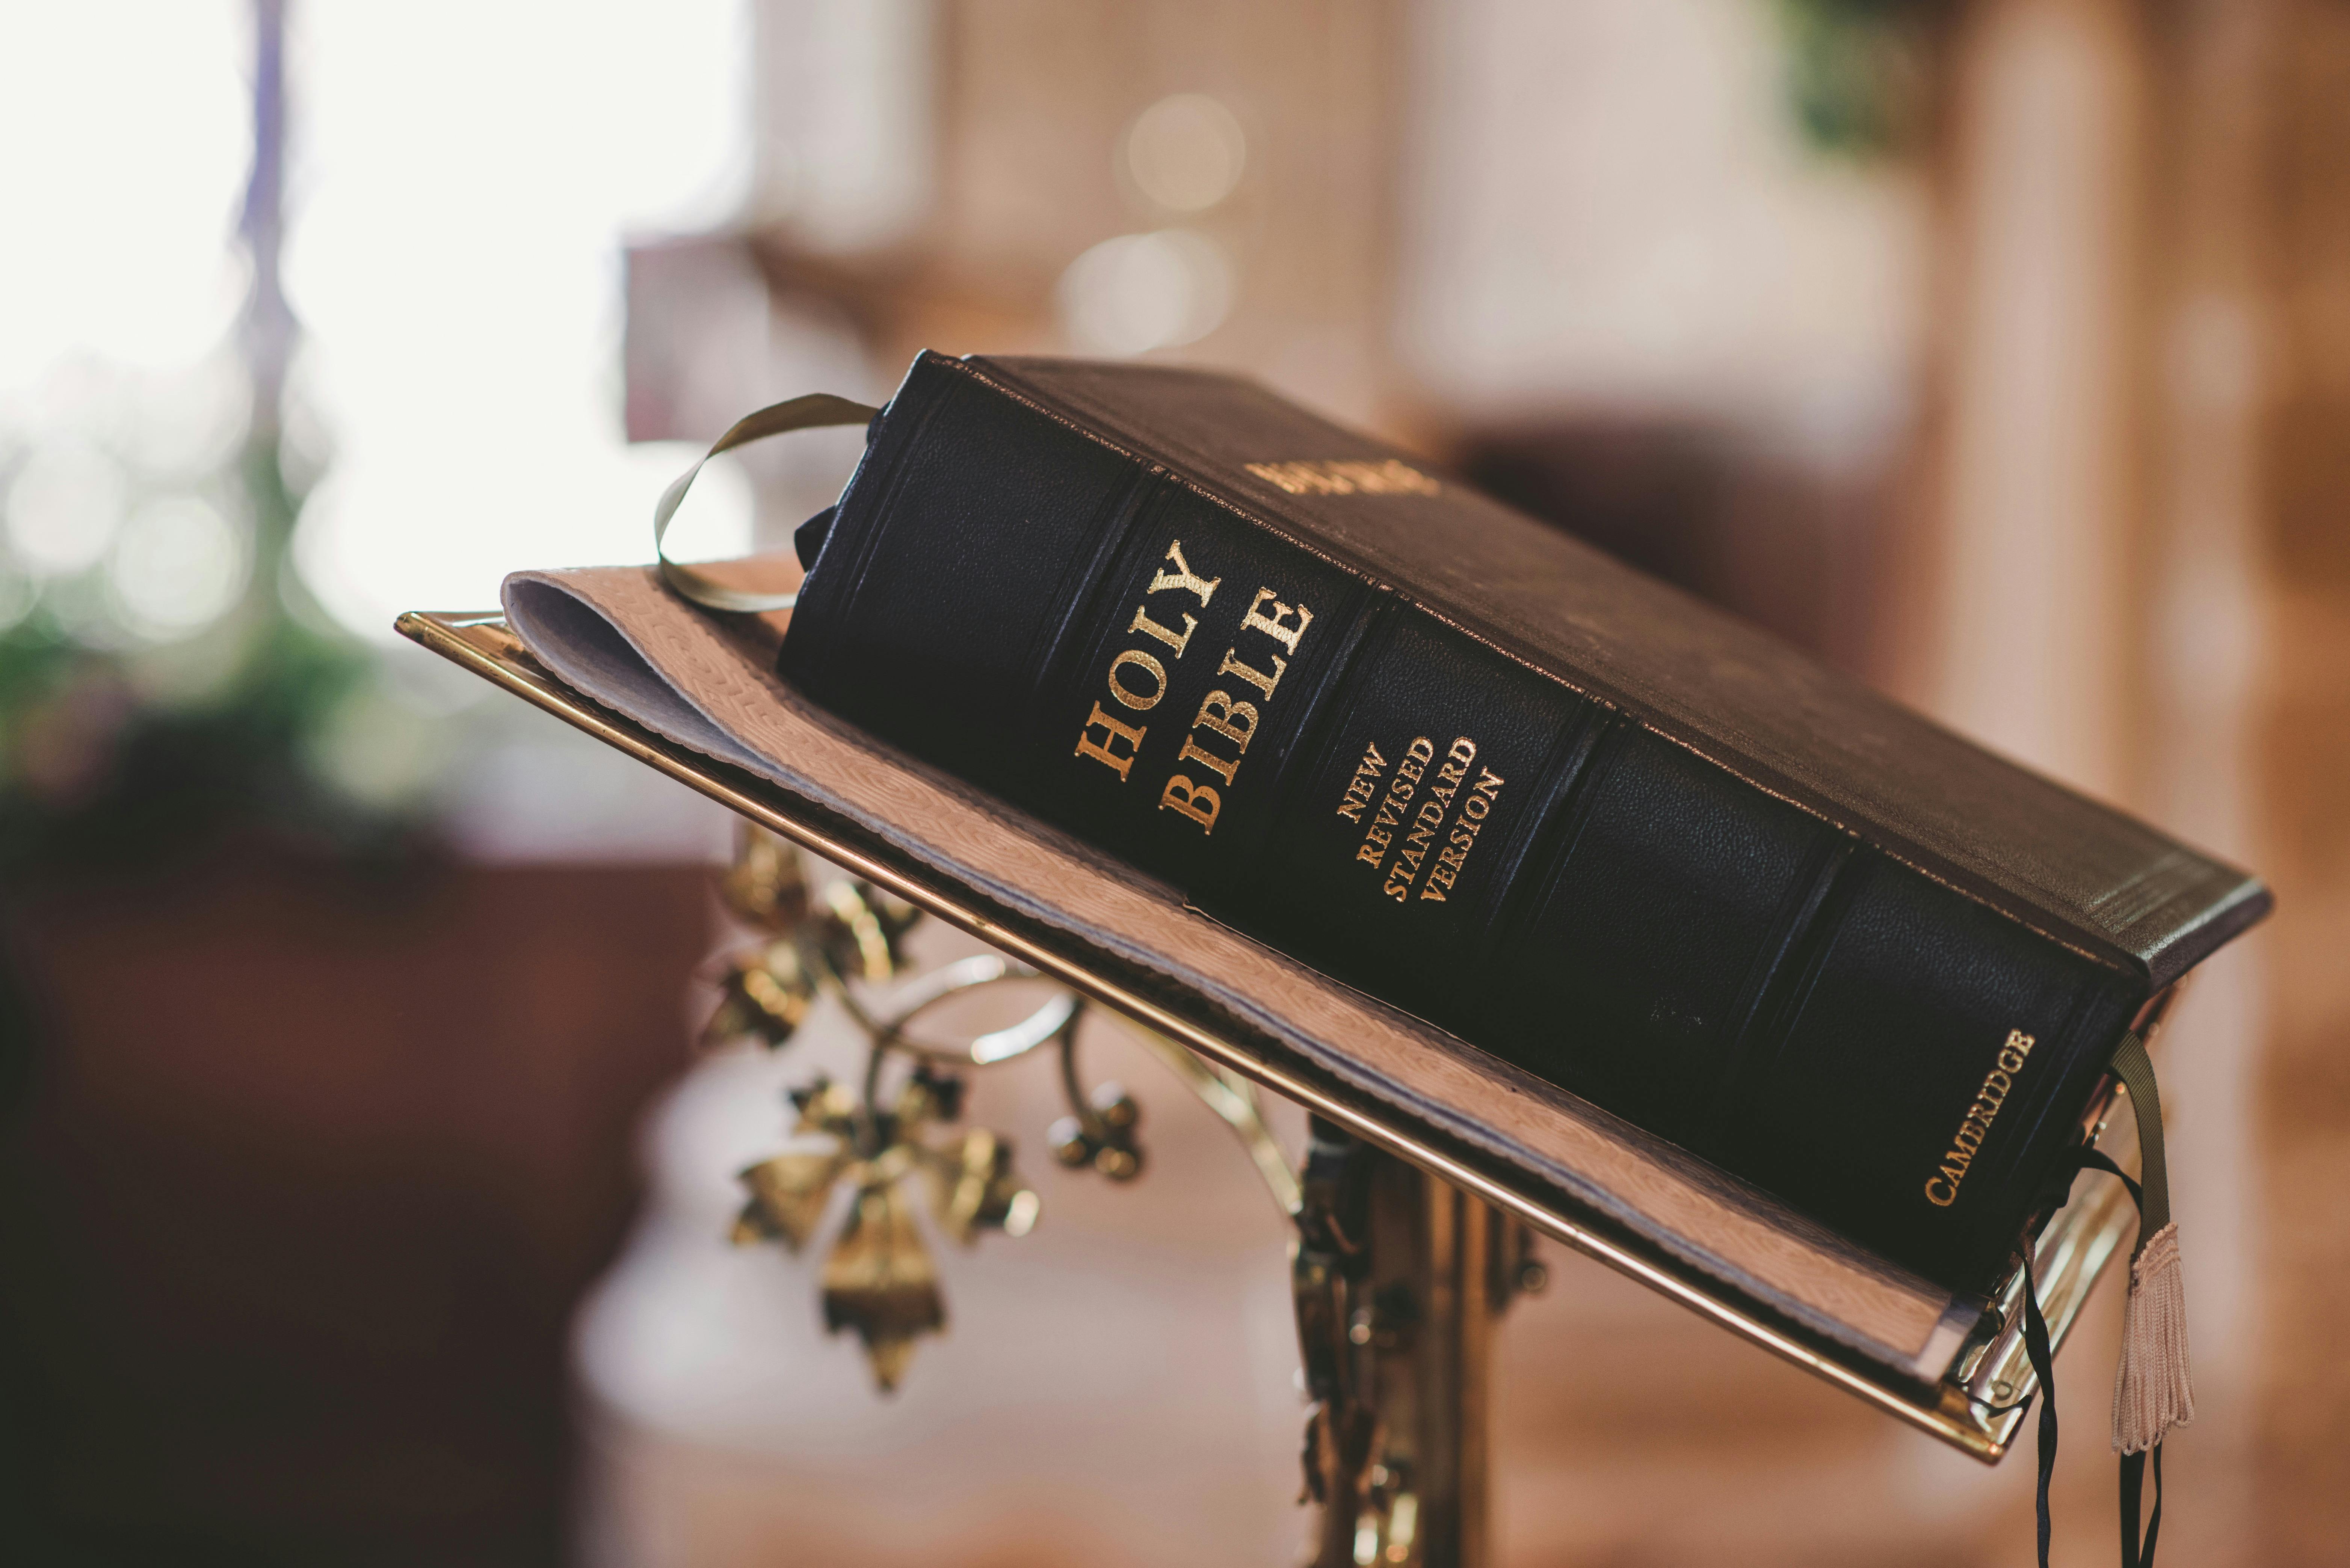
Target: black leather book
(1496,778)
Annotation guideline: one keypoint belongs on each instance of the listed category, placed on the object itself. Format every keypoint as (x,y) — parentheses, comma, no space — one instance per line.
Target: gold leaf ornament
(974,1190)
(767,887)
(826,1107)
(788,1196)
(880,1280)
(862,930)
(764,993)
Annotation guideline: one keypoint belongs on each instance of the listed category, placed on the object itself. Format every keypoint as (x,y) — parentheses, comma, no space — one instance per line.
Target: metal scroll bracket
(1397,1276)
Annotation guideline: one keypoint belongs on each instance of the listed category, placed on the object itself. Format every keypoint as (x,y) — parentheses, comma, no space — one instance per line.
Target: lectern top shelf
(613,654)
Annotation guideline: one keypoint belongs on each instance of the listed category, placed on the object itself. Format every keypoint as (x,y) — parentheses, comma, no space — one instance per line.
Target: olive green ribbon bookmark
(817,410)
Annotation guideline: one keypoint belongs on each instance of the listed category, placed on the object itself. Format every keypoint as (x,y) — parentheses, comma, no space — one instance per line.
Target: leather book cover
(1490,775)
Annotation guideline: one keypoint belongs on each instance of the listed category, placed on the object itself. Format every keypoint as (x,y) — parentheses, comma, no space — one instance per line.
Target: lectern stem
(1397,1287)
(1453,1352)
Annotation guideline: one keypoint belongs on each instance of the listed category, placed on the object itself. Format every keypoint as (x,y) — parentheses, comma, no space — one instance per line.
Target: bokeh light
(457,273)
(118,200)
(1140,292)
(64,507)
(177,566)
(1186,152)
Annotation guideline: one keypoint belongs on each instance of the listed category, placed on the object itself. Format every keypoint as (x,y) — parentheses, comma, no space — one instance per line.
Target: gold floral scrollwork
(879,1278)
(842,945)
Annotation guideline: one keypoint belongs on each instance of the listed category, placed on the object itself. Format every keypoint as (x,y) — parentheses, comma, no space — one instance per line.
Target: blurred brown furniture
(309,1167)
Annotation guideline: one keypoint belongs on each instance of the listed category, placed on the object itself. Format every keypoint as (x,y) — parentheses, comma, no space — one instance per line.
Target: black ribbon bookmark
(2043,1364)
(2136,1552)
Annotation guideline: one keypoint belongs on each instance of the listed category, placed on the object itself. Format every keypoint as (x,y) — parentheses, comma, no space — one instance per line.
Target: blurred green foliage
(115,753)
(1858,79)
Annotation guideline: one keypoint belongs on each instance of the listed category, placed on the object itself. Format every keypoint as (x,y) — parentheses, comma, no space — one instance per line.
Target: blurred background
(361,1198)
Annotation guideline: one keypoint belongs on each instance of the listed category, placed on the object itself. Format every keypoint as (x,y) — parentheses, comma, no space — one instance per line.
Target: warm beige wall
(2036,512)
(2299,188)
(2098,607)
(1024,107)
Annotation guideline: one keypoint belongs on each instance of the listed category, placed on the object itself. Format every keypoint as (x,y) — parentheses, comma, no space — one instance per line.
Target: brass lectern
(1412,1215)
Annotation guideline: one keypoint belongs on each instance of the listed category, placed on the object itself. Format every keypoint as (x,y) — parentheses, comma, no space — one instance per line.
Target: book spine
(1320,761)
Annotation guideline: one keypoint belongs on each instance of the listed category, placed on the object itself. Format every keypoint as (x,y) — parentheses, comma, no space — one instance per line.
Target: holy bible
(1444,753)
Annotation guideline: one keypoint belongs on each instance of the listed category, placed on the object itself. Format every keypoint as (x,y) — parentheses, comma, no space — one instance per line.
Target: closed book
(1493,777)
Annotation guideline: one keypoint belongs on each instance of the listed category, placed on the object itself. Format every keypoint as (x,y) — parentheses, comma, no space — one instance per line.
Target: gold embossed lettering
(1137,701)
(1254,677)
(1271,626)
(1470,821)
(1176,640)
(1197,802)
(1974,1127)
(1183,577)
(1448,861)
(1112,732)
(1415,843)
(1391,477)
(1192,754)
(1359,787)
(1448,783)
(1401,787)
(1233,721)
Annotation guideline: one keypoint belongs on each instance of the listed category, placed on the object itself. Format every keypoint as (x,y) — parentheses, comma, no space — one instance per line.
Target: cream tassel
(2152,1389)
